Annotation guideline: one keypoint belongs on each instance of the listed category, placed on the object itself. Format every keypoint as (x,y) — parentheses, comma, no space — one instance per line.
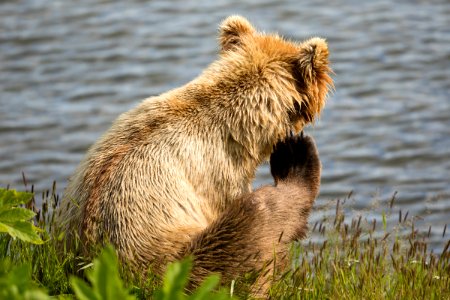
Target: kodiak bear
(172,177)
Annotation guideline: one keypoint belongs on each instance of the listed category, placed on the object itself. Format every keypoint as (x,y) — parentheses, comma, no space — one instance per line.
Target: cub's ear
(231,31)
(313,61)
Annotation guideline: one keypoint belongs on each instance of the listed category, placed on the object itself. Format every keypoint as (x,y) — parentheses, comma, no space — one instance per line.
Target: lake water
(69,68)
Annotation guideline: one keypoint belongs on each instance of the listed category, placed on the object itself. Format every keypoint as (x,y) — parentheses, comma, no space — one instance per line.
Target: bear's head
(275,85)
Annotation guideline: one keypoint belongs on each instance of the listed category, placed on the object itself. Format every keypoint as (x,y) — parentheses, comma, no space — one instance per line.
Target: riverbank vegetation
(351,259)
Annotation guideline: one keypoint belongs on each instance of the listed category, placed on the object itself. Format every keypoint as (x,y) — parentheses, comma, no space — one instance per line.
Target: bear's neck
(248,124)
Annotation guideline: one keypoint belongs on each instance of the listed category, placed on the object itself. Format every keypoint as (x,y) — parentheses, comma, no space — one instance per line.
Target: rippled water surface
(69,68)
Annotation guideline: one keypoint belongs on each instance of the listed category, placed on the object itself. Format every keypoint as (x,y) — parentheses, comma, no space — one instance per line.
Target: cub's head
(277,85)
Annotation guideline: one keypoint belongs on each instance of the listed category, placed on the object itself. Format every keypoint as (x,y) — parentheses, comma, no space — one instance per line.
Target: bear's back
(143,182)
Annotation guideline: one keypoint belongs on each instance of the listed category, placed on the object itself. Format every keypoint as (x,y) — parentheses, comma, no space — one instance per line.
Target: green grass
(353,259)
(359,261)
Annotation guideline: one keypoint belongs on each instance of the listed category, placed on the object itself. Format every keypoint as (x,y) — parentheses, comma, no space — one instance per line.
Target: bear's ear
(231,31)
(313,60)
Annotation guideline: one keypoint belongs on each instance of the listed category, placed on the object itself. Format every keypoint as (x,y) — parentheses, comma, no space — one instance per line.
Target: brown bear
(172,177)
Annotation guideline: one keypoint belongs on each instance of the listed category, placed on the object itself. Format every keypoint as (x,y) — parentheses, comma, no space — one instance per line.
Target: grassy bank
(353,259)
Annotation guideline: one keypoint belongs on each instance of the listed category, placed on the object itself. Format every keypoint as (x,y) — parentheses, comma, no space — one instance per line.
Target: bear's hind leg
(261,224)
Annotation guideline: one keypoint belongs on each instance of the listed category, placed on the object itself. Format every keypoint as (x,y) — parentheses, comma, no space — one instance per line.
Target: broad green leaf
(206,288)
(16,214)
(105,275)
(36,295)
(13,220)
(13,198)
(82,290)
(20,275)
(22,230)
(175,281)
(104,278)
(17,284)
(176,278)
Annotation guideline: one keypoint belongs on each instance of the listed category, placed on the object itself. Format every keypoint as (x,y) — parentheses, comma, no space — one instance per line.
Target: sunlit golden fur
(169,168)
